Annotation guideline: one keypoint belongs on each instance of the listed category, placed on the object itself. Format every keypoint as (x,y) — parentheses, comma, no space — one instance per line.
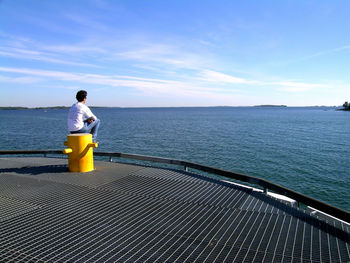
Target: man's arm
(90,117)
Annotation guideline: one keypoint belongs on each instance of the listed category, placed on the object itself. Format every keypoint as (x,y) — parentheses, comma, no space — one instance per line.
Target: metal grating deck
(129,213)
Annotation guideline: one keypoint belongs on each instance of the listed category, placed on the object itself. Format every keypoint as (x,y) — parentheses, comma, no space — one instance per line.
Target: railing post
(266,191)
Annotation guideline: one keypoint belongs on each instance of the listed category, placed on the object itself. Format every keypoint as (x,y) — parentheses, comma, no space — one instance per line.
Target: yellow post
(80,154)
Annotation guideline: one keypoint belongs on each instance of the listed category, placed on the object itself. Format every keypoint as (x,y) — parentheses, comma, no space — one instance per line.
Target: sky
(174,53)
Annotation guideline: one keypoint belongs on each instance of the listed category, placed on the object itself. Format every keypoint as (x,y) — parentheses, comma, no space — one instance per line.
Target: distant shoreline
(179,107)
(278,106)
(45,108)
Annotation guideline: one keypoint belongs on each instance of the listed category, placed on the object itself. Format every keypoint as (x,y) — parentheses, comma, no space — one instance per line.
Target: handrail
(300,198)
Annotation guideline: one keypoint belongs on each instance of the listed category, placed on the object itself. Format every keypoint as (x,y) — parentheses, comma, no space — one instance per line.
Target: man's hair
(81,95)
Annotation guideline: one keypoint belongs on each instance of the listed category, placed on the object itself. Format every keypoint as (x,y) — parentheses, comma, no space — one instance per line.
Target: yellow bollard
(80,154)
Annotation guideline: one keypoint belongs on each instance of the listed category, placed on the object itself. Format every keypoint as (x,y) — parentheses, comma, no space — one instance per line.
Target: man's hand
(89,120)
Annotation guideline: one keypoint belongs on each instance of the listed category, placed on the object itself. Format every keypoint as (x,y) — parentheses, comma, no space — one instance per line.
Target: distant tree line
(346,106)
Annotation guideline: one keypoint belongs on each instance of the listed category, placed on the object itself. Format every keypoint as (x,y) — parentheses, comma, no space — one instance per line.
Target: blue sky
(155,53)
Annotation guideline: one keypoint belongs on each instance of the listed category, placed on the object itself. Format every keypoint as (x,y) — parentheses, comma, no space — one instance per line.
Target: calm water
(305,149)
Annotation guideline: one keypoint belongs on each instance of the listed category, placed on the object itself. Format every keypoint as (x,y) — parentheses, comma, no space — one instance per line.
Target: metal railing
(266,185)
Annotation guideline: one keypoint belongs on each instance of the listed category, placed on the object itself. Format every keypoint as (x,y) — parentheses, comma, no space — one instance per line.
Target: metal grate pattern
(198,193)
(158,216)
(7,205)
(107,173)
(169,175)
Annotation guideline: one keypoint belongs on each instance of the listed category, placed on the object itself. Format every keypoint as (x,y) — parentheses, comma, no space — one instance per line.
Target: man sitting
(80,117)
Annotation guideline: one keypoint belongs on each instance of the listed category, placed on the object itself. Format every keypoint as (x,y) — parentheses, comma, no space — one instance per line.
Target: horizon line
(145,107)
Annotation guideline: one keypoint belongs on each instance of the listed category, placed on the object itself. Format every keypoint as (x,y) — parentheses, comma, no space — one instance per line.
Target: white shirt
(78,113)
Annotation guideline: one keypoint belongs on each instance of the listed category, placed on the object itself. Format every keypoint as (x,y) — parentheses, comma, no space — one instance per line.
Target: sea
(306,149)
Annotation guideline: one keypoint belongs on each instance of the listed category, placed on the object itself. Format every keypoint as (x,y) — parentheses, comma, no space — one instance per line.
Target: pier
(124,212)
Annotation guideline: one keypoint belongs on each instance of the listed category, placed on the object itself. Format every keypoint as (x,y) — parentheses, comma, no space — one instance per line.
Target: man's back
(81,119)
(78,113)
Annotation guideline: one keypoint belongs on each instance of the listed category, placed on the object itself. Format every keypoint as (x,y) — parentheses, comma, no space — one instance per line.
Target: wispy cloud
(91,52)
(74,49)
(38,56)
(26,49)
(286,85)
(20,80)
(218,77)
(294,86)
(315,55)
(209,83)
(73,54)
(87,21)
(162,54)
(142,84)
(43,73)
(325,52)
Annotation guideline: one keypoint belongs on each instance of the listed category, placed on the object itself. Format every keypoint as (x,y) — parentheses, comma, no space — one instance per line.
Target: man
(81,119)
